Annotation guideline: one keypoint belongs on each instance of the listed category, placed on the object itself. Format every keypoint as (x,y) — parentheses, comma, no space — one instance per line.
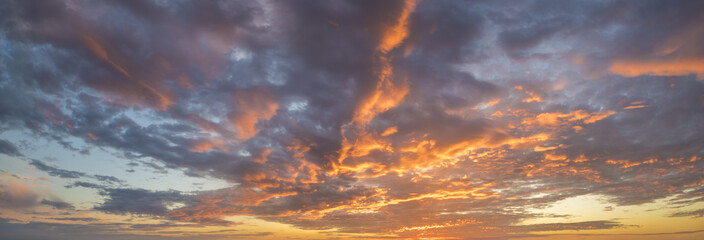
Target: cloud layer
(406,118)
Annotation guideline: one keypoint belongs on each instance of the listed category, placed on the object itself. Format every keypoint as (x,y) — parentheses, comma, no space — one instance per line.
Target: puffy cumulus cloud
(402,118)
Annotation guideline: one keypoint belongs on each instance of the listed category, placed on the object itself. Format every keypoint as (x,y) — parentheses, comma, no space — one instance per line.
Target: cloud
(408,118)
(57,204)
(252,106)
(8,148)
(36,230)
(557,119)
(659,68)
(139,201)
(14,194)
(567,226)
(694,214)
(75,219)
(62,173)
(57,172)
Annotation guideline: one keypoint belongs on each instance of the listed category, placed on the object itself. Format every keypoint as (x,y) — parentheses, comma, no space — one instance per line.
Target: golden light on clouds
(673,67)
(397,119)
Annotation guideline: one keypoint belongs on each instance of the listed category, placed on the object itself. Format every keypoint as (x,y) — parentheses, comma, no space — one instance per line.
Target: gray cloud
(8,148)
(57,172)
(57,204)
(75,219)
(139,201)
(694,213)
(62,173)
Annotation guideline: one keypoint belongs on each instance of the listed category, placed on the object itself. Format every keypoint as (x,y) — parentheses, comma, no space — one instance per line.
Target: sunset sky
(292,119)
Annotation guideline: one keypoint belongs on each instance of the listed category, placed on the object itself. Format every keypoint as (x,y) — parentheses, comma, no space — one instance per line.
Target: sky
(360,119)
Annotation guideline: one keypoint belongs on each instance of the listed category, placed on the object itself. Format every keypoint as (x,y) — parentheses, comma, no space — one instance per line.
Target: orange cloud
(460,222)
(15,194)
(389,131)
(428,154)
(533,97)
(395,35)
(555,119)
(379,200)
(251,107)
(666,67)
(542,149)
(679,54)
(389,92)
(206,145)
(92,136)
(528,141)
(363,144)
(100,52)
(635,107)
(126,92)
